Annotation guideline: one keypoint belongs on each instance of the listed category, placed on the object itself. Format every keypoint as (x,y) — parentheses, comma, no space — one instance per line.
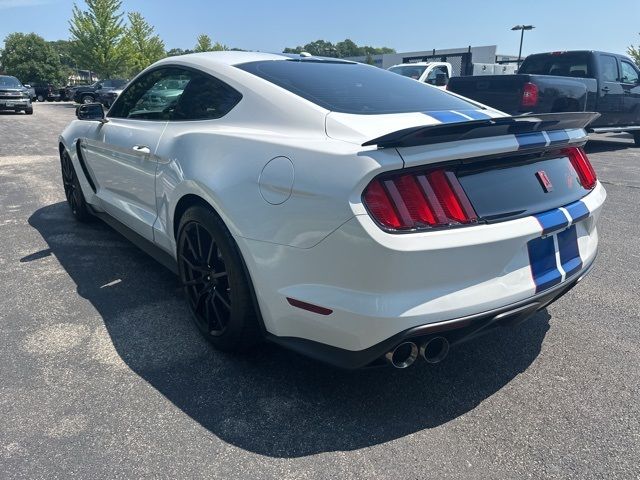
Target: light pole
(522,28)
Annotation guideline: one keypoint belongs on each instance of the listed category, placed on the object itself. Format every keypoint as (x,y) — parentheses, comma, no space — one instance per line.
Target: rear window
(354,87)
(563,65)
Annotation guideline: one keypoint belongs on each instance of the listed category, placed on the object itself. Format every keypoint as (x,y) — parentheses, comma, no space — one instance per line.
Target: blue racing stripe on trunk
(552,221)
(569,252)
(544,270)
(447,117)
(474,114)
(577,210)
(531,140)
(558,136)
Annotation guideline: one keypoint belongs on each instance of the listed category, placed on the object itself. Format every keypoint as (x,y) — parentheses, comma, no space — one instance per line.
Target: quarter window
(629,73)
(205,98)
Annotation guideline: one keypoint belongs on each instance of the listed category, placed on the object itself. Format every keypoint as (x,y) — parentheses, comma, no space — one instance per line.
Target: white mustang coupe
(343,211)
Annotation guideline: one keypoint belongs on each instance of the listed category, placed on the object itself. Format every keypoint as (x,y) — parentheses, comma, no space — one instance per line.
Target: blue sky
(404,25)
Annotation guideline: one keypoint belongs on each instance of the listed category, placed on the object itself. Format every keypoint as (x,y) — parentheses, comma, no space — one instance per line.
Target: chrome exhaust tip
(403,355)
(435,349)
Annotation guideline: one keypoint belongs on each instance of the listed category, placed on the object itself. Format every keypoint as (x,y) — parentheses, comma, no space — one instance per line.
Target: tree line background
(111,43)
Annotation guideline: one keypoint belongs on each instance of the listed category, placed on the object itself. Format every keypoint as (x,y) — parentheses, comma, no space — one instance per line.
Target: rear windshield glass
(354,87)
(564,65)
(411,71)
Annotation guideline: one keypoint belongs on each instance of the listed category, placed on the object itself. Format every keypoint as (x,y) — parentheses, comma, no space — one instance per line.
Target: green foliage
(634,53)
(346,48)
(205,44)
(143,47)
(31,59)
(98,38)
(178,51)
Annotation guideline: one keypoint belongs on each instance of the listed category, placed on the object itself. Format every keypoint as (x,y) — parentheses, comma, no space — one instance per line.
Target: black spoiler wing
(491,127)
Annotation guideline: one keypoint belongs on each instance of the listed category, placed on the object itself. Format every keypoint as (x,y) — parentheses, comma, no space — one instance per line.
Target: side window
(433,75)
(629,73)
(609,68)
(153,96)
(205,98)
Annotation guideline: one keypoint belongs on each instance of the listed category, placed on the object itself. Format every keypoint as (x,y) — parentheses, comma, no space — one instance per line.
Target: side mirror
(27,86)
(98,86)
(441,80)
(91,111)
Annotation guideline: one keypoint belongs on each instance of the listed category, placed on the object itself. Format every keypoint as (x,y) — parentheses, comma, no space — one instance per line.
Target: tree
(30,58)
(178,51)
(144,48)
(634,52)
(98,36)
(205,44)
(346,48)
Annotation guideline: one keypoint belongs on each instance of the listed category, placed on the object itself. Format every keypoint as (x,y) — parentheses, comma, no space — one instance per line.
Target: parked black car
(14,96)
(46,91)
(601,82)
(91,93)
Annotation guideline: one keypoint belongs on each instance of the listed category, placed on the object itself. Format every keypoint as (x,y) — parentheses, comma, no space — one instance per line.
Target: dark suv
(14,96)
(92,93)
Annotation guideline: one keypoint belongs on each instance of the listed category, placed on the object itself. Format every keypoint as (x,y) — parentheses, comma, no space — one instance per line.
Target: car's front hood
(360,128)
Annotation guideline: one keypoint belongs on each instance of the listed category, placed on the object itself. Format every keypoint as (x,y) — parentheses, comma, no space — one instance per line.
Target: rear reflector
(431,198)
(529,95)
(582,166)
(309,306)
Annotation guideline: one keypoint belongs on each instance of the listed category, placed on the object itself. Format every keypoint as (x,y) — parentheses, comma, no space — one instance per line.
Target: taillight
(431,198)
(529,95)
(582,166)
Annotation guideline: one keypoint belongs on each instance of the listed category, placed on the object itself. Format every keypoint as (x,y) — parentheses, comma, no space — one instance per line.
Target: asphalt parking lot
(103,376)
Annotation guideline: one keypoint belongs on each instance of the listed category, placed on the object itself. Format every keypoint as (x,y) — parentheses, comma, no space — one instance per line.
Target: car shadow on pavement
(271,402)
(599,146)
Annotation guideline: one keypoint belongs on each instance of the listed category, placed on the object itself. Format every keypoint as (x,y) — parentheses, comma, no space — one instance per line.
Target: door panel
(123,162)
(610,92)
(631,99)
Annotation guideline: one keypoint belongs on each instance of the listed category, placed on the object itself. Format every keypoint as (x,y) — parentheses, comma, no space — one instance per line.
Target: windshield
(354,87)
(9,82)
(570,64)
(411,71)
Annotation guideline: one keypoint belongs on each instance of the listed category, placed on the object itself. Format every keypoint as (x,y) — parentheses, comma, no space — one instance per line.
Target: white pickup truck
(433,73)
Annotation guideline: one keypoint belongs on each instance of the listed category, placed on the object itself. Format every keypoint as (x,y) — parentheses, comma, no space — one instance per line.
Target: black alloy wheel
(72,190)
(215,282)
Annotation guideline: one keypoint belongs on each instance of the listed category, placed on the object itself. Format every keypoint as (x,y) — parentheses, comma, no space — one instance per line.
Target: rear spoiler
(491,127)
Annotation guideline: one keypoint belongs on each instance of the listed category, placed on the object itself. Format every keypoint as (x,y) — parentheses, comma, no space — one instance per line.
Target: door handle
(141,149)
(605,89)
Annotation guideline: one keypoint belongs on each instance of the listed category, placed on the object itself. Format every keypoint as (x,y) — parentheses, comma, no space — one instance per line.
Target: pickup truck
(573,81)
(433,73)
(91,93)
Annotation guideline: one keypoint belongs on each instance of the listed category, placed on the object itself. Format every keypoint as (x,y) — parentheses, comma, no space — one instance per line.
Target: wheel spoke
(217,294)
(193,266)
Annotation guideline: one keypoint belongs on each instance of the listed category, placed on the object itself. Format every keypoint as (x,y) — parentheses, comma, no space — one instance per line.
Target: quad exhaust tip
(403,355)
(435,349)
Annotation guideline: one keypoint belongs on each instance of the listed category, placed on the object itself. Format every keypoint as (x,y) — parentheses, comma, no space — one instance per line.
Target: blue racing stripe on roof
(447,116)
(558,136)
(542,257)
(552,221)
(569,251)
(474,114)
(531,140)
(577,211)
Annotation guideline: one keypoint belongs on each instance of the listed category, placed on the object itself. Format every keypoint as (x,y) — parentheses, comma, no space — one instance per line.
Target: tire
(72,190)
(636,138)
(29,111)
(215,282)
(40,98)
(85,99)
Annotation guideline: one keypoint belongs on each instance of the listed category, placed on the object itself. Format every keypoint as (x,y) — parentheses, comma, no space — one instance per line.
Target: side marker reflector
(309,306)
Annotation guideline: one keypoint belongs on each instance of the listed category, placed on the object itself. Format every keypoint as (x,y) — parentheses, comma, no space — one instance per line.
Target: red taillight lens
(423,199)
(582,166)
(529,95)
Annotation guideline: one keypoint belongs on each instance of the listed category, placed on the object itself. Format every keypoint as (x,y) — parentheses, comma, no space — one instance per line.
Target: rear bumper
(457,330)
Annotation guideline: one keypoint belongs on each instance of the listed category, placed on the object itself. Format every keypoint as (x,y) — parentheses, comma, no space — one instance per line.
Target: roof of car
(228,57)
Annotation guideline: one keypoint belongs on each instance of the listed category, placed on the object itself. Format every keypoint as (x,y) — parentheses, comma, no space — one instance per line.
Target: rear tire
(636,138)
(86,99)
(72,190)
(215,282)
(40,98)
